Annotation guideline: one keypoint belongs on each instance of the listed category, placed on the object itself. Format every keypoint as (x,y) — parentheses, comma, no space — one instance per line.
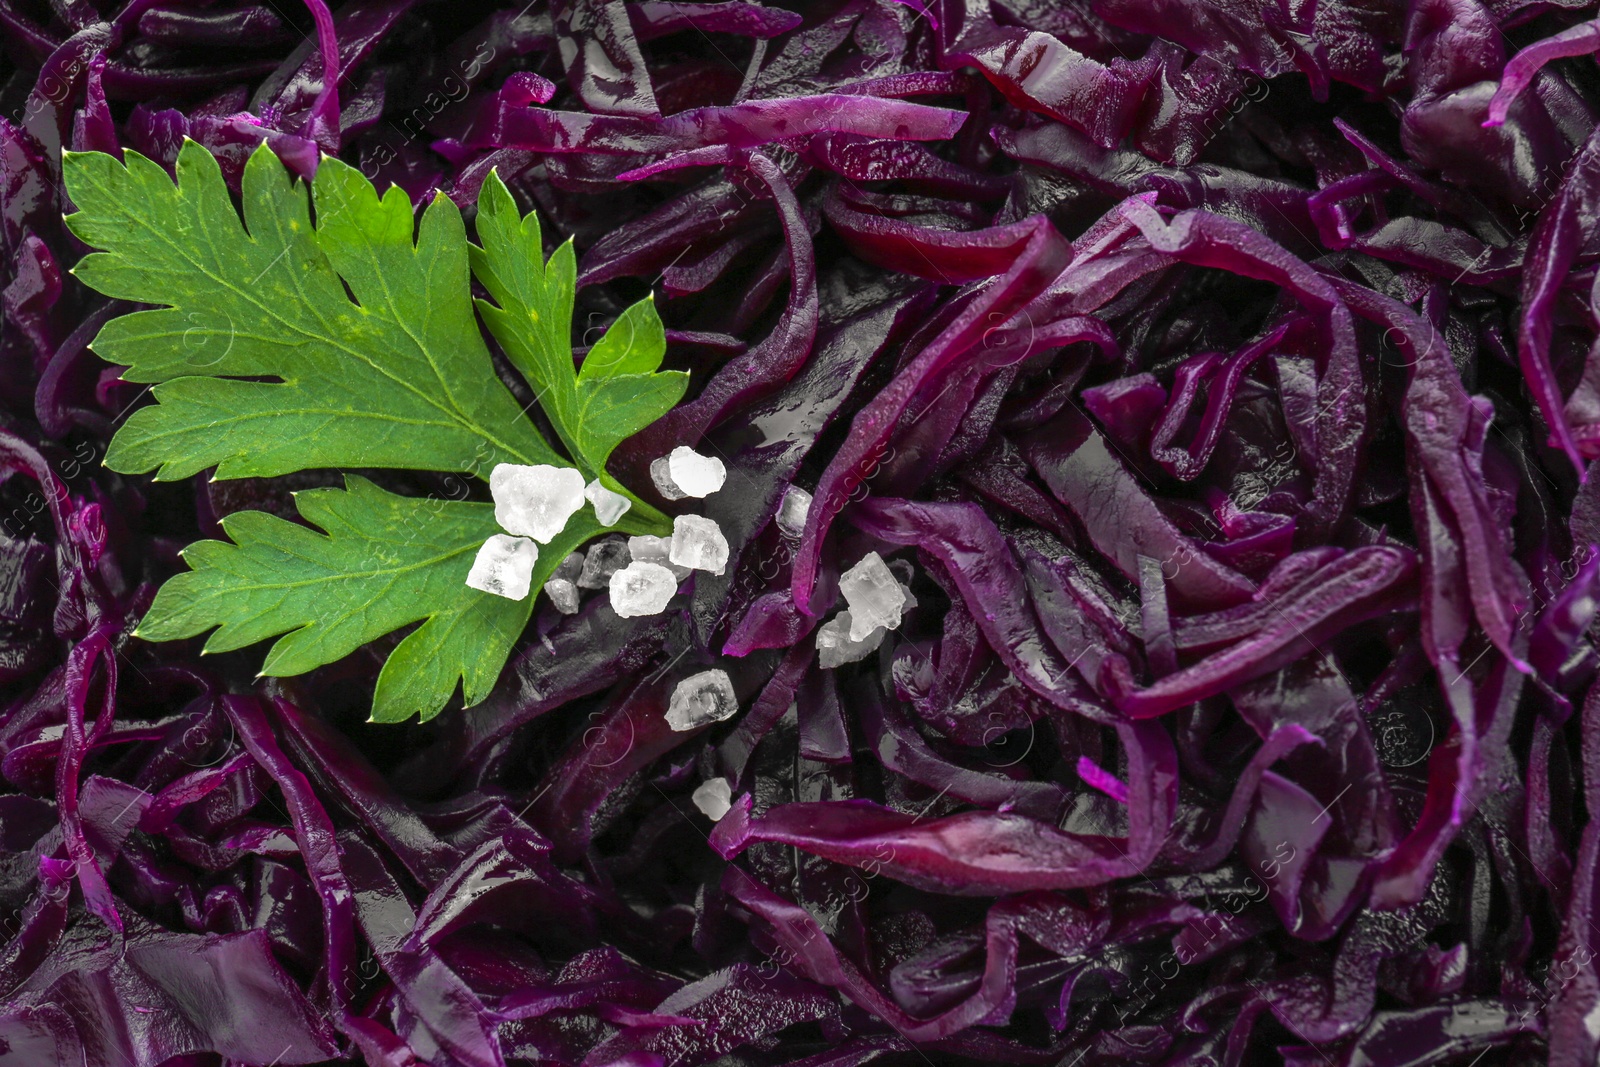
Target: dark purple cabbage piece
(1223,378)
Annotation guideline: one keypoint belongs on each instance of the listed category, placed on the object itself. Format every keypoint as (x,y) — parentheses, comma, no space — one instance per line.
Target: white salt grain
(662,476)
(641,589)
(563,594)
(608,506)
(792,511)
(836,647)
(694,474)
(714,798)
(874,595)
(697,543)
(603,559)
(504,566)
(535,501)
(702,699)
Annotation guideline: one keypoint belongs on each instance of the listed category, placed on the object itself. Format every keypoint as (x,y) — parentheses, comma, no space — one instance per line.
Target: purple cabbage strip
(1220,379)
(987,308)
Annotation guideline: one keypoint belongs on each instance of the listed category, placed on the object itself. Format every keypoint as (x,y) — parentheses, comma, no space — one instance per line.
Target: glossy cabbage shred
(1222,377)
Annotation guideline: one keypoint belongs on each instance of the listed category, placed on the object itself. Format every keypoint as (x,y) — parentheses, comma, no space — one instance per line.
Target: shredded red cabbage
(1220,378)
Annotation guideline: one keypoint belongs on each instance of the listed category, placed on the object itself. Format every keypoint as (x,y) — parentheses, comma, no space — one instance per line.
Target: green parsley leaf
(382,562)
(618,390)
(330,329)
(398,377)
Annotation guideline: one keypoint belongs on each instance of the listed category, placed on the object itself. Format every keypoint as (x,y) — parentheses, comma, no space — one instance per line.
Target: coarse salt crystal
(694,474)
(535,501)
(714,798)
(792,511)
(563,594)
(602,560)
(835,646)
(504,566)
(661,474)
(697,543)
(570,567)
(641,589)
(874,594)
(702,699)
(609,507)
